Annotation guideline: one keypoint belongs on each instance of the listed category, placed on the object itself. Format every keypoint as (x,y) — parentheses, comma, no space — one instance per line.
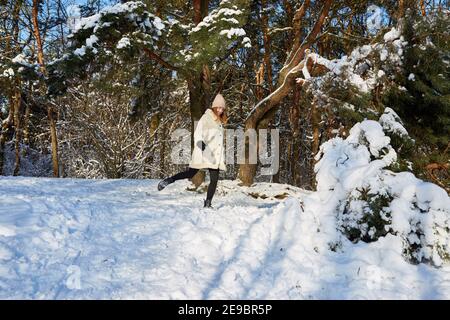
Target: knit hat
(219,101)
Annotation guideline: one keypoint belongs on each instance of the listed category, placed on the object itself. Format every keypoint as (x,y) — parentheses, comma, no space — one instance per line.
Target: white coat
(210,130)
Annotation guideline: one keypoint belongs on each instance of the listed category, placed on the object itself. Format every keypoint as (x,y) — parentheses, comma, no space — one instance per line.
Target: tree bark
(422,7)
(259,75)
(199,94)
(294,145)
(401,9)
(7,123)
(267,44)
(50,111)
(199,87)
(17,130)
(297,23)
(315,118)
(162,150)
(26,124)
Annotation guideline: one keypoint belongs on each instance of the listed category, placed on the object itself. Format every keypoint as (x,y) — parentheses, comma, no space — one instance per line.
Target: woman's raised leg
(189,173)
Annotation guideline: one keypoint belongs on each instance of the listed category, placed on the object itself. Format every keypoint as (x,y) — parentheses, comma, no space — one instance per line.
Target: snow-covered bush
(375,201)
(33,163)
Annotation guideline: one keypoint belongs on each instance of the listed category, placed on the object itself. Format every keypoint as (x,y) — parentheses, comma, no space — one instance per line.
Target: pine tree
(422,94)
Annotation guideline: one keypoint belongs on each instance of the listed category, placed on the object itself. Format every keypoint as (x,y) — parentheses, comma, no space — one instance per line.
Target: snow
(123,43)
(133,11)
(80,51)
(6,232)
(383,54)
(246,42)
(220,15)
(20,59)
(347,65)
(93,21)
(121,239)
(305,71)
(391,122)
(8,73)
(360,68)
(374,19)
(86,22)
(233,32)
(157,22)
(415,211)
(391,35)
(231,20)
(35,164)
(91,40)
(374,134)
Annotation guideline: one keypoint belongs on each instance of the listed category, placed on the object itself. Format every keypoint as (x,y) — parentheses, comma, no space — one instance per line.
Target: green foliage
(118,33)
(350,104)
(211,38)
(421,94)
(425,104)
(123,33)
(342,101)
(366,215)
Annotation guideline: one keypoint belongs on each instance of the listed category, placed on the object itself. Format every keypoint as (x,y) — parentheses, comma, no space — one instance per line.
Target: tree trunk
(26,125)
(5,128)
(294,146)
(9,121)
(265,109)
(199,88)
(315,119)
(267,44)
(199,84)
(267,63)
(297,24)
(200,10)
(422,7)
(401,9)
(162,151)
(259,74)
(17,130)
(199,95)
(54,142)
(53,135)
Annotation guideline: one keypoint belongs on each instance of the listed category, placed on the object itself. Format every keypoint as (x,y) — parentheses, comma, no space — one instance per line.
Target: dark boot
(207,203)
(163,183)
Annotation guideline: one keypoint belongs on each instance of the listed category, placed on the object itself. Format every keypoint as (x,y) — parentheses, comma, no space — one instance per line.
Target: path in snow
(122,239)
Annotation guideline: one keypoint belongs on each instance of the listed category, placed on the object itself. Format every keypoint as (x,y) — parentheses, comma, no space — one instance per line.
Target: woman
(208,148)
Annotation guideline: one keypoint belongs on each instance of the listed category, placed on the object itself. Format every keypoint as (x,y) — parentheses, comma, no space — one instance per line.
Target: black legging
(190,172)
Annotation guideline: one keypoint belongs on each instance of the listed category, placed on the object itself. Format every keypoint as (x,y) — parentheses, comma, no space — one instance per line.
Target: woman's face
(219,110)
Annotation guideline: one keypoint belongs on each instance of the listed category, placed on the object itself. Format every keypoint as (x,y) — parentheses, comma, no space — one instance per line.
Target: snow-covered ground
(122,239)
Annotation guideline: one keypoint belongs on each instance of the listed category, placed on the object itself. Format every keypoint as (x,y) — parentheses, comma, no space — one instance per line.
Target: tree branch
(158,59)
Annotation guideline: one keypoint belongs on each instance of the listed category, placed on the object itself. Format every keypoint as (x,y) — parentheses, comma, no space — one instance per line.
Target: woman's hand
(202,145)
